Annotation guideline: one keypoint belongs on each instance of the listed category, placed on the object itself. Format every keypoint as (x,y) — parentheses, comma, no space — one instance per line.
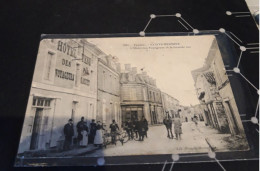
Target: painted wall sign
(67,49)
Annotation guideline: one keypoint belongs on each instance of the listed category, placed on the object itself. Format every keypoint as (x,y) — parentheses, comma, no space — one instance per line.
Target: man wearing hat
(69,133)
(93,129)
(168,124)
(113,127)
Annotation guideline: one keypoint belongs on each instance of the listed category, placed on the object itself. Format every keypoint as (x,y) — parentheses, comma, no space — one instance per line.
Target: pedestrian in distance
(177,126)
(168,124)
(141,129)
(82,130)
(135,127)
(92,133)
(69,133)
(113,130)
(98,140)
(129,129)
(145,125)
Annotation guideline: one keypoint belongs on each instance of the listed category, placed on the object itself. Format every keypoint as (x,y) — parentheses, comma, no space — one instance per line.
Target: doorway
(131,112)
(36,128)
(134,115)
(233,119)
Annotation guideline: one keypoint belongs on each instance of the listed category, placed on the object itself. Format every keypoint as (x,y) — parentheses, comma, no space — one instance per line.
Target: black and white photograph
(98,97)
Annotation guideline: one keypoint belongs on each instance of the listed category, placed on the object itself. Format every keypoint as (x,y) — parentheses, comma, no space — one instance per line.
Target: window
(77,75)
(218,74)
(31,118)
(34,102)
(48,66)
(104,80)
(47,102)
(74,110)
(41,102)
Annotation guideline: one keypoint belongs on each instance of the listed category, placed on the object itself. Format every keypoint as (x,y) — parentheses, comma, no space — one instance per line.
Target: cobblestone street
(194,140)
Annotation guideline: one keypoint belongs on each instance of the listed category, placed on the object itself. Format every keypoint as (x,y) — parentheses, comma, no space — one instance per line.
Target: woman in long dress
(98,141)
(84,132)
(177,128)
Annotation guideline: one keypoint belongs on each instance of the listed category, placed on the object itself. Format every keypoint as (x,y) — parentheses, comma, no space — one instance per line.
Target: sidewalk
(221,142)
(212,136)
(75,151)
(78,151)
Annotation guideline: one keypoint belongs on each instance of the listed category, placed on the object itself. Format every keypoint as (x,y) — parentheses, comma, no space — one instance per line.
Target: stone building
(140,96)
(198,111)
(215,94)
(64,86)
(108,90)
(170,104)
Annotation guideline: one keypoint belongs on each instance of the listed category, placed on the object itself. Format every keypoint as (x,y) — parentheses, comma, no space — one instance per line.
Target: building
(224,89)
(108,90)
(215,94)
(64,86)
(198,111)
(185,114)
(170,104)
(140,96)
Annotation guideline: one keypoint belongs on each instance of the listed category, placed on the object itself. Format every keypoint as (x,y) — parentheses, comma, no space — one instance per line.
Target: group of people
(137,128)
(134,128)
(86,135)
(177,126)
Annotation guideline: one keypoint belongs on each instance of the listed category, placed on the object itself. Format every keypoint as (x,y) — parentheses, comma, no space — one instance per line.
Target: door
(134,115)
(214,116)
(233,119)
(36,128)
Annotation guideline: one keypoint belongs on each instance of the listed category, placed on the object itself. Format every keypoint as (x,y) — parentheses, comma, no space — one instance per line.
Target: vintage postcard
(125,96)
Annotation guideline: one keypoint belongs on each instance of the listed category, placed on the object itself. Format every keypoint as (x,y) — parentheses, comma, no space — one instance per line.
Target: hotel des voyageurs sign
(65,75)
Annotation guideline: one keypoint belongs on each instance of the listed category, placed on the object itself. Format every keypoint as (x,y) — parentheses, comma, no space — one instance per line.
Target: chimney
(127,67)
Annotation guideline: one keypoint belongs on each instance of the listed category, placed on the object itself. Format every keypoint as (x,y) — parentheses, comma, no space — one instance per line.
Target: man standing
(145,125)
(141,129)
(129,129)
(69,133)
(93,128)
(168,124)
(113,127)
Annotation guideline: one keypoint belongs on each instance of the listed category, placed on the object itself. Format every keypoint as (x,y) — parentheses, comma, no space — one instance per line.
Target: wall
(61,89)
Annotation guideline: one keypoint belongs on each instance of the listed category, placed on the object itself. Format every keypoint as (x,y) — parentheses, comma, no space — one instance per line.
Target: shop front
(131,112)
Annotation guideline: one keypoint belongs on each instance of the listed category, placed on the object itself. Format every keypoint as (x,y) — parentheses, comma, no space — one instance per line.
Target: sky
(169,60)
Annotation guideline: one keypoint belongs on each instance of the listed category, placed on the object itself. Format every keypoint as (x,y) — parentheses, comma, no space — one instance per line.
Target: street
(193,141)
